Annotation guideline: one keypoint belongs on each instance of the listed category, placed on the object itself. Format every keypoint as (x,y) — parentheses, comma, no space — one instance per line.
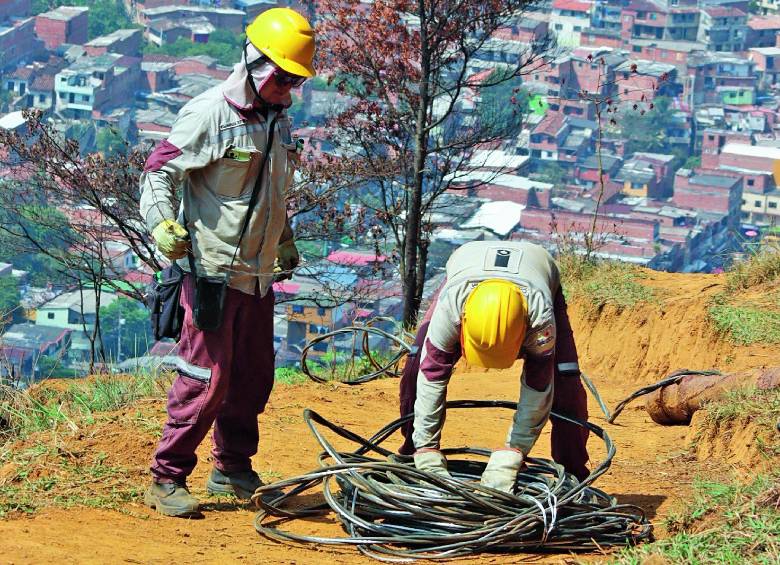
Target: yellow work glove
(171,239)
(287,259)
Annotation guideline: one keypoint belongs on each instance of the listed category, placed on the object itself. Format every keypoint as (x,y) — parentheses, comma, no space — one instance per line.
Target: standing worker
(231,152)
(501,301)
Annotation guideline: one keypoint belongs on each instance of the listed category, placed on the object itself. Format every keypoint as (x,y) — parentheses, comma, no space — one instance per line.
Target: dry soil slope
(642,344)
(620,350)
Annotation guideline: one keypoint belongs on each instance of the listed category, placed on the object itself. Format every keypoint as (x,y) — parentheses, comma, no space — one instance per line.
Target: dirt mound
(644,343)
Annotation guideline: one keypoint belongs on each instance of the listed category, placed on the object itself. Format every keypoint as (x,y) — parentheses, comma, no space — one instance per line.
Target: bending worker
(501,301)
(231,153)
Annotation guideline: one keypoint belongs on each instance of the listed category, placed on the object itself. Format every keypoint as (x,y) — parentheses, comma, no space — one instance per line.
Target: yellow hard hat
(494,322)
(285,37)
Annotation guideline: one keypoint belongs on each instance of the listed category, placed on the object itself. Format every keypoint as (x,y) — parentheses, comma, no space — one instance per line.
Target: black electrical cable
(394,512)
(672,378)
(389,368)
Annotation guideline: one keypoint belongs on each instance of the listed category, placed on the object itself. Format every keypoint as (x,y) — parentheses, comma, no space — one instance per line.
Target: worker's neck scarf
(242,87)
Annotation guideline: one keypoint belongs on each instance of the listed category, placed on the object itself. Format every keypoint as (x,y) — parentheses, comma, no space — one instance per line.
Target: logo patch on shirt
(231,125)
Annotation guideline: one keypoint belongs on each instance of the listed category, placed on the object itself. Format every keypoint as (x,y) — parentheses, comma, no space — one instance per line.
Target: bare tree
(407,66)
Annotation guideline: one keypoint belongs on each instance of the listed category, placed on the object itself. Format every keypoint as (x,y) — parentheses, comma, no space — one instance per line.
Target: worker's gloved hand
(502,469)
(287,259)
(171,239)
(431,461)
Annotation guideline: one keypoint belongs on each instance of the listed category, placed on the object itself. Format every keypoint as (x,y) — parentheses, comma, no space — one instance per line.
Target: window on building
(41,98)
(558,27)
(320,311)
(744,202)
(86,97)
(751,182)
(636,48)
(772,205)
(577,28)
(49,315)
(297,309)
(9,85)
(757,204)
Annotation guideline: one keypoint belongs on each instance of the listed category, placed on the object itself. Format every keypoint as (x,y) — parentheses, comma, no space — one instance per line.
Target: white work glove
(431,461)
(501,470)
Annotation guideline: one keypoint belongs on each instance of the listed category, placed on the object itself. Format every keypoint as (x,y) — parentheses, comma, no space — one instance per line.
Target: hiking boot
(242,484)
(171,499)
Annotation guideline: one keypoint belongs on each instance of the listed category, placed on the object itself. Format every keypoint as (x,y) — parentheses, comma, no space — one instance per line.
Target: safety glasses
(284,79)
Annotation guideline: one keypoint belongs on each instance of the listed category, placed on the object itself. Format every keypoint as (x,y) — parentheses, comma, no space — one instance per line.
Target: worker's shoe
(242,484)
(171,499)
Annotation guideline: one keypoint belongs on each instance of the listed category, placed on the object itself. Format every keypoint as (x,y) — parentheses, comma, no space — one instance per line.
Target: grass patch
(604,282)
(743,324)
(752,404)
(724,523)
(45,475)
(344,366)
(760,267)
(50,407)
(290,376)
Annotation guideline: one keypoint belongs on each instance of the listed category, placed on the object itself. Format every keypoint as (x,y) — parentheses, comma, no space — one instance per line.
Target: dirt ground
(621,351)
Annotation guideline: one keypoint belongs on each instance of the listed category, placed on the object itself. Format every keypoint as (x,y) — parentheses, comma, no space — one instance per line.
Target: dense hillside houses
(657,121)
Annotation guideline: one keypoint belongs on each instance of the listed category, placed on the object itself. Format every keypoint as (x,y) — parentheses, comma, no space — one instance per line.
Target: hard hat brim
(295,68)
(487,358)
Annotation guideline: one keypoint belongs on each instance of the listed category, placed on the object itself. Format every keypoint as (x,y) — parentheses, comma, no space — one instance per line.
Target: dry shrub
(760,267)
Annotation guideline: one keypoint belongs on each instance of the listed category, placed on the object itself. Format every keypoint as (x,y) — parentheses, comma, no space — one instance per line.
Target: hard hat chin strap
(259,62)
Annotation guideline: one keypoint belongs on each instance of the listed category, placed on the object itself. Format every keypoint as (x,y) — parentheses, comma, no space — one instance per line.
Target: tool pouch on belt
(162,298)
(209,304)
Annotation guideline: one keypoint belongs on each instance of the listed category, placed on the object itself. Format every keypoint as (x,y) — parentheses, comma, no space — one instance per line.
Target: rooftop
(32,336)
(571,5)
(165,10)
(91,64)
(655,157)
(12,120)
(64,13)
(768,23)
(118,35)
(501,179)
(645,67)
(724,12)
(499,216)
(73,301)
(682,46)
(752,150)
(713,180)
(497,159)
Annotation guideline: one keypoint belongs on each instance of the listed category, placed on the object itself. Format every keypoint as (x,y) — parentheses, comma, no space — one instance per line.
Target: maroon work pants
(224,378)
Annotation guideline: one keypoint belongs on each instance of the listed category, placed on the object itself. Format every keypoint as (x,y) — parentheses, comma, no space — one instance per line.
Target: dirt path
(649,471)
